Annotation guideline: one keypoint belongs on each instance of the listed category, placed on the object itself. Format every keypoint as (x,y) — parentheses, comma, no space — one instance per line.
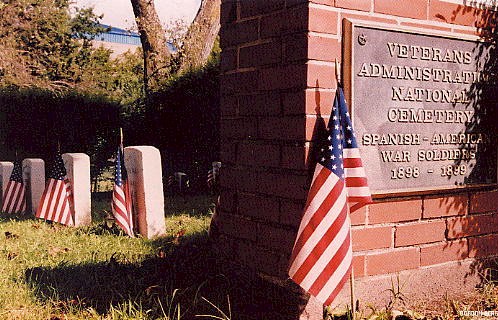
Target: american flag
(322,254)
(171,180)
(211,178)
(121,198)
(13,197)
(56,201)
(213,174)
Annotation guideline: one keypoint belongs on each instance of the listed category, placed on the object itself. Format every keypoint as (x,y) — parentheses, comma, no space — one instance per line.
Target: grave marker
(143,164)
(33,171)
(78,172)
(6,168)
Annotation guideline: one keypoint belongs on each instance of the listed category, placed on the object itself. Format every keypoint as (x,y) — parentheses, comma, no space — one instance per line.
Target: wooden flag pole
(351,276)
(338,72)
(351,284)
(121,137)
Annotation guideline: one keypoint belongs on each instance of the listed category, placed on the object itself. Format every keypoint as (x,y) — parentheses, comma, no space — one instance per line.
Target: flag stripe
(314,229)
(8,196)
(54,199)
(351,153)
(59,201)
(355,172)
(358,192)
(352,162)
(356,182)
(19,199)
(41,211)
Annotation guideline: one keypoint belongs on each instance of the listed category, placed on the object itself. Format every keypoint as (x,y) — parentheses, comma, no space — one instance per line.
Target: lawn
(48,271)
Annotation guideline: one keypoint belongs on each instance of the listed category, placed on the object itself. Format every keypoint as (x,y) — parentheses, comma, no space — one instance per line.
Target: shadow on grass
(188,266)
(5,217)
(191,266)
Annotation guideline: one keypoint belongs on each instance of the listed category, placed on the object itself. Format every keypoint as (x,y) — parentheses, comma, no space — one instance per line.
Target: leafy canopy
(45,44)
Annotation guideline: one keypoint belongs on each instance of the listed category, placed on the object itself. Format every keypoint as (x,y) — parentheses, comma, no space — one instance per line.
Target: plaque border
(348,85)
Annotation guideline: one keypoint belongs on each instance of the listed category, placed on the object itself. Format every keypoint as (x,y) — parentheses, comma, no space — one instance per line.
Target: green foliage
(47,37)
(35,120)
(119,79)
(44,45)
(186,108)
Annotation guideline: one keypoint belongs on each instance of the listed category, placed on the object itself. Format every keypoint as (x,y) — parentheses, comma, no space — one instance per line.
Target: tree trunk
(153,38)
(201,35)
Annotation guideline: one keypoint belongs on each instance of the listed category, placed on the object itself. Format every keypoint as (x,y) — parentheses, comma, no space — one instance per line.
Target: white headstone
(33,172)
(78,173)
(5,171)
(143,164)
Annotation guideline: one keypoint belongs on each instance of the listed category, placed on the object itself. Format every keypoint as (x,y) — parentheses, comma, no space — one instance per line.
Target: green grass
(48,271)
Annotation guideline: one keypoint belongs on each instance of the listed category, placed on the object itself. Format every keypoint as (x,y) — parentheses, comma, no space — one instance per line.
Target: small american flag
(322,254)
(213,174)
(171,180)
(13,197)
(56,201)
(211,178)
(121,198)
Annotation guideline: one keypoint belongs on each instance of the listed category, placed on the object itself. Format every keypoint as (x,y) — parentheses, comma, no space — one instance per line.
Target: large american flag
(13,197)
(56,201)
(121,198)
(322,254)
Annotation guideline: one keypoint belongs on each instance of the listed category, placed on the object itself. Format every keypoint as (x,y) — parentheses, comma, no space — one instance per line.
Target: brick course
(371,238)
(484,202)
(444,252)
(417,9)
(418,233)
(472,225)
(445,206)
(392,261)
(397,211)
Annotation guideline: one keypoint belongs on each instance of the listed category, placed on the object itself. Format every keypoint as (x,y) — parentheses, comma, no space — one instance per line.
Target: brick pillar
(277,84)
(266,126)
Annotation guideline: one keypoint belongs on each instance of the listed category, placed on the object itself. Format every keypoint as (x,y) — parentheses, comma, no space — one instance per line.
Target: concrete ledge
(424,284)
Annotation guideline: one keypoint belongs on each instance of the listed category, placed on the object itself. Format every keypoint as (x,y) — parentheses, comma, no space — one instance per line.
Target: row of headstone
(180,181)
(143,164)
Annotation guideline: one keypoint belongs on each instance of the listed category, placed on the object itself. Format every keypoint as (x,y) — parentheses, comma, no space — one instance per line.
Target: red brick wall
(264,129)
(277,75)
(424,231)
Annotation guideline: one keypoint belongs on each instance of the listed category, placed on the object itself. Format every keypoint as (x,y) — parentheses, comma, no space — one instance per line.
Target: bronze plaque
(421,106)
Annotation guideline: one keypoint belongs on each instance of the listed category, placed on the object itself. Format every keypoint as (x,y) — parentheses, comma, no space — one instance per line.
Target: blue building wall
(122,36)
